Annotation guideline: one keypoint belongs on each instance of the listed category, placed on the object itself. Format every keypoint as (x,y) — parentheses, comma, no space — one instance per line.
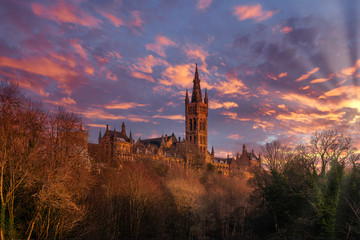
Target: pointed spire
(107,127)
(99,134)
(244,149)
(187,97)
(196,93)
(206,97)
(196,72)
(130,138)
(123,128)
(212,151)
(81,125)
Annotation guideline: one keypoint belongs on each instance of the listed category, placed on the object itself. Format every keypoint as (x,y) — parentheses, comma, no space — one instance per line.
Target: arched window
(194,139)
(190,139)
(194,124)
(190,124)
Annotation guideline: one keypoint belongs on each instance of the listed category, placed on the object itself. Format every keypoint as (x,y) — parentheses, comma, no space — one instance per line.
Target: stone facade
(196,114)
(116,147)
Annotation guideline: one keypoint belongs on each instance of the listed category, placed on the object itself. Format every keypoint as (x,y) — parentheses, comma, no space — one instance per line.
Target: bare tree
(330,145)
(275,155)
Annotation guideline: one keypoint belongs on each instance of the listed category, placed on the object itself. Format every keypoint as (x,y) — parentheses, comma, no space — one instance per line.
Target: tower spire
(196,93)
(123,128)
(206,97)
(187,97)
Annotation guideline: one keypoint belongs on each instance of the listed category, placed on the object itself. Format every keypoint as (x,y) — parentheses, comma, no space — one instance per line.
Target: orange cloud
(320,80)
(307,75)
(65,13)
(147,63)
(283,74)
(286,30)
(159,46)
(235,136)
(137,21)
(94,113)
(179,75)
(66,101)
(142,76)
(79,49)
(351,70)
(89,70)
(234,116)
(111,76)
(202,4)
(215,104)
(171,117)
(255,12)
(349,91)
(125,105)
(95,125)
(112,18)
(42,66)
(232,86)
(70,61)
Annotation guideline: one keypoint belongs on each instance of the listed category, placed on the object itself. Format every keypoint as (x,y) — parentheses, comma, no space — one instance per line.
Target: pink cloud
(111,76)
(79,49)
(137,21)
(235,136)
(147,63)
(112,18)
(171,117)
(65,101)
(179,75)
(126,105)
(94,113)
(243,12)
(202,4)
(65,13)
(161,42)
(231,86)
(142,76)
(286,30)
(42,66)
(215,104)
(307,75)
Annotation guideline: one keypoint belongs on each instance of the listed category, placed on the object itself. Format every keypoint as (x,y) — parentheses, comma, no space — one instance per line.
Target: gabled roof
(116,134)
(157,141)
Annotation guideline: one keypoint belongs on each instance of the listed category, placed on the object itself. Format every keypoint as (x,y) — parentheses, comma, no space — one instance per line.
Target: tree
(330,145)
(275,155)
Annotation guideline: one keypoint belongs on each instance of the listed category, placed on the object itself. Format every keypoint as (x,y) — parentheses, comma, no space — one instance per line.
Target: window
(190,124)
(194,124)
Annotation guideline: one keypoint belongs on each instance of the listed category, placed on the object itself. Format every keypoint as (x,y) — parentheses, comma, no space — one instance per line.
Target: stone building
(196,114)
(116,146)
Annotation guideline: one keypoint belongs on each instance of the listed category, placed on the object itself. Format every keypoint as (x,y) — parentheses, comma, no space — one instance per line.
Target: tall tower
(196,113)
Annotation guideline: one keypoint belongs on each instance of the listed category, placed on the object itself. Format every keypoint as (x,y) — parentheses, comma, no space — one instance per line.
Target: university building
(116,146)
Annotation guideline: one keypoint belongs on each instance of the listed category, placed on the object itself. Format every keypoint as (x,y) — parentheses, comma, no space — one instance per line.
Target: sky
(273,69)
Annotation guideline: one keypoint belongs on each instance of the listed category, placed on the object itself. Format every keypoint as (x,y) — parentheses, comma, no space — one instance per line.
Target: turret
(244,149)
(123,128)
(99,136)
(206,97)
(196,94)
(107,127)
(212,151)
(187,97)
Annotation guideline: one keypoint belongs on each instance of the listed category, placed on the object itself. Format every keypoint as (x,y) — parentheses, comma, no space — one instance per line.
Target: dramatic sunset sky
(273,69)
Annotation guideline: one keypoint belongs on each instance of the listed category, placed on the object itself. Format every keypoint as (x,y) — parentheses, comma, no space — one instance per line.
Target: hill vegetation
(50,188)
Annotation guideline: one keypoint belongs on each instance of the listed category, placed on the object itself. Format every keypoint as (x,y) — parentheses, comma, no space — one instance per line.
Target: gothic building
(196,113)
(116,146)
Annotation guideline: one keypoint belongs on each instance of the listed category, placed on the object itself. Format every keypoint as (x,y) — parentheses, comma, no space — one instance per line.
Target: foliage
(50,188)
